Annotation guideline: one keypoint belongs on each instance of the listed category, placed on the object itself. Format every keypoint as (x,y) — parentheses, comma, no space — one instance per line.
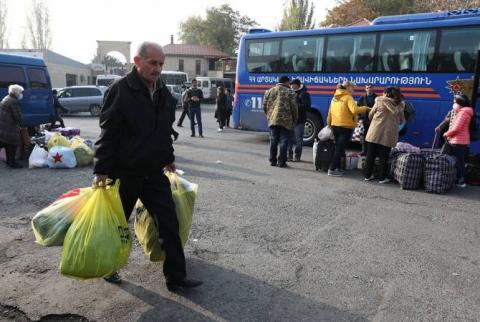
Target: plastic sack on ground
(57,140)
(38,158)
(60,157)
(325,134)
(184,194)
(83,154)
(98,241)
(51,223)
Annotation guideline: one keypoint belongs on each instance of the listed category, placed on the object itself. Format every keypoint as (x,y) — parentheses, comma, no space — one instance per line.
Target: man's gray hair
(143,48)
(15,90)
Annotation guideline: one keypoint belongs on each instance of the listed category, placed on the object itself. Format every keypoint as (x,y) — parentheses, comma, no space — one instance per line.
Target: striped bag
(408,170)
(440,172)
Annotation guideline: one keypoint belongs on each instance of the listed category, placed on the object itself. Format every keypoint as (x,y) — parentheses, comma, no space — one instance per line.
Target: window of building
(198,67)
(302,54)
(71,79)
(406,51)
(458,50)
(11,75)
(211,64)
(263,56)
(180,65)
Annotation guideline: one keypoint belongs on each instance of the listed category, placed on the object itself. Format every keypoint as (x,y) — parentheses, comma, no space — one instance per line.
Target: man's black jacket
(136,131)
(304,104)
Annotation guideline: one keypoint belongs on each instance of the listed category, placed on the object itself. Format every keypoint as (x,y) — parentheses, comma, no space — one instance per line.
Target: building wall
(171,63)
(58,74)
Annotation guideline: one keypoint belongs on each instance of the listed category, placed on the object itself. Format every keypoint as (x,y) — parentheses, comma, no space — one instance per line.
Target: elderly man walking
(135,146)
(280,107)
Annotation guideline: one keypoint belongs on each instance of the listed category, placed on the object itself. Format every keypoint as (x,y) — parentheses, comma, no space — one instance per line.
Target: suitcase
(323,154)
(408,170)
(440,172)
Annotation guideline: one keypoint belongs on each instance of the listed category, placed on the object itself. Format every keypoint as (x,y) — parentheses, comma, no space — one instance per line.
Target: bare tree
(3,25)
(38,25)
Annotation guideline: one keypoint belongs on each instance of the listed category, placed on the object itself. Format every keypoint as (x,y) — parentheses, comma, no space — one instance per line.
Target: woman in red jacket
(458,136)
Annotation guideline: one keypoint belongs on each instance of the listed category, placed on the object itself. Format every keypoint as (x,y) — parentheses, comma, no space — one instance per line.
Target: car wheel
(95,110)
(312,127)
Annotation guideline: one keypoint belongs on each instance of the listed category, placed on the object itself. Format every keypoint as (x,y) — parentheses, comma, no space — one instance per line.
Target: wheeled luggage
(323,154)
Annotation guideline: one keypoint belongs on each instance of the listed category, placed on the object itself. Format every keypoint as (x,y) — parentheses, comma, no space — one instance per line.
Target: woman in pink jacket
(458,136)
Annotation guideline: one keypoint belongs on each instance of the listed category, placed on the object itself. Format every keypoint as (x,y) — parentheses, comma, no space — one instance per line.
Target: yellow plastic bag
(184,194)
(98,242)
(83,154)
(51,223)
(57,139)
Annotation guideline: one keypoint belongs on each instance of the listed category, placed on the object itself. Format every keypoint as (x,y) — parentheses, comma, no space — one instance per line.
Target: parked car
(176,91)
(31,73)
(82,99)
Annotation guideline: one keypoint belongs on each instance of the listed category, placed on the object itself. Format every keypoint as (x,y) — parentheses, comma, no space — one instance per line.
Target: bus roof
(403,22)
(24,60)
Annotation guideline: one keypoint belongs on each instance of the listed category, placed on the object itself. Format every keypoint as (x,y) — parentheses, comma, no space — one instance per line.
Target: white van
(170,77)
(106,80)
(209,86)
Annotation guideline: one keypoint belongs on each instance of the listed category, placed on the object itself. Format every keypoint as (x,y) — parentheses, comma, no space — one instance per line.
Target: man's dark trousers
(185,112)
(278,136)
(196,114)
(154,192)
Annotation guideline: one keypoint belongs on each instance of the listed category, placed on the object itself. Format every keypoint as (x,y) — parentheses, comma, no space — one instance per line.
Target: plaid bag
(440,172)
(408,170)
(392,158)
(358,132)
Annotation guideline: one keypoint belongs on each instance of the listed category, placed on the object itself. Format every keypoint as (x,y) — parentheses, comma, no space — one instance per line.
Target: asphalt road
(270,244)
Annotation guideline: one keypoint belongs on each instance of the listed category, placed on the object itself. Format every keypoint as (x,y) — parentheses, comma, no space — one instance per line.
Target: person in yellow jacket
(342,120)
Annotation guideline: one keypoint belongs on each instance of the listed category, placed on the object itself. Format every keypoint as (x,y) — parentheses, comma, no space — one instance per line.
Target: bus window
(38,78)
(12,75)
(458,50)
(262,56)
(302,55)
(347,53)
(406,51)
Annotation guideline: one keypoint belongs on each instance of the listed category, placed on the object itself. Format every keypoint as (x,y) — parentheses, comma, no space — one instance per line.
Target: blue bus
(32,74)
(430,56)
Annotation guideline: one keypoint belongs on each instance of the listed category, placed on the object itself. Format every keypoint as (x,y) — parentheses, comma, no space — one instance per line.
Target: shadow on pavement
(231,296)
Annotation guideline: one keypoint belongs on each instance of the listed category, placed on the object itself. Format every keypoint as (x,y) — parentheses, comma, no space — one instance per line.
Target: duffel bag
(408,170)
(440,171)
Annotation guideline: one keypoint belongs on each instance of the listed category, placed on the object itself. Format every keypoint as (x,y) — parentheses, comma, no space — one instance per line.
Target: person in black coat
(57,109)
(304,104)
(366,100)
(135,146)
(11,123)
(221,109)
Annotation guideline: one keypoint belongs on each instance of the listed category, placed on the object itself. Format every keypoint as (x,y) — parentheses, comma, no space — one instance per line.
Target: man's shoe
(290,159)
(192,135)
(386,180)
(461,185)
(335,173)
(370,178)
(273,164)
(114,278)
(200,136)
(15,166)
(283,165)
(297,159)
(220,130)
(174,286)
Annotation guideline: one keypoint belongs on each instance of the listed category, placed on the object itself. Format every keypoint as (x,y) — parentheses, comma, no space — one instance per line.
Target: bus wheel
(312,127)
(95,110)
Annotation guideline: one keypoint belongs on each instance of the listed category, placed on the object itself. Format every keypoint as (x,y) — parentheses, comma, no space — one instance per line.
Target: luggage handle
(434,140)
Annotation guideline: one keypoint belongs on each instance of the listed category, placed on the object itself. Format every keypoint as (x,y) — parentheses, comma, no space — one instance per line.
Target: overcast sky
(76,25)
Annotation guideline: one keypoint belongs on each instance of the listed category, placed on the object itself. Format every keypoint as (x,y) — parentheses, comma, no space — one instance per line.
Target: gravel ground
(270,244)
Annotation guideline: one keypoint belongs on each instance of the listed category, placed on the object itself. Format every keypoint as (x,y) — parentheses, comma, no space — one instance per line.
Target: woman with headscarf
(11,123)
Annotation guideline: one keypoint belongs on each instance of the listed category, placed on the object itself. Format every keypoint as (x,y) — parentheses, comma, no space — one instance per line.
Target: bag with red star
(60,157)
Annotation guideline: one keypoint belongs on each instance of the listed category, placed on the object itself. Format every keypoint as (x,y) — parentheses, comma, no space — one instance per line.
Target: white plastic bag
(38,158)
(61,157)
(325,134)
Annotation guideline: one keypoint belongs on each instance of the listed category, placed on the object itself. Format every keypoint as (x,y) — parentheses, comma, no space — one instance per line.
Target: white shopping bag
(38,158)
(61,157)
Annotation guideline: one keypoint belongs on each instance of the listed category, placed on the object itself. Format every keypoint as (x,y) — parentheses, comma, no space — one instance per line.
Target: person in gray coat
(11,123)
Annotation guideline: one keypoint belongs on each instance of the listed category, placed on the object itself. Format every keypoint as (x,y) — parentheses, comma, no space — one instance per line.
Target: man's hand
(171,167)
(100,180)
